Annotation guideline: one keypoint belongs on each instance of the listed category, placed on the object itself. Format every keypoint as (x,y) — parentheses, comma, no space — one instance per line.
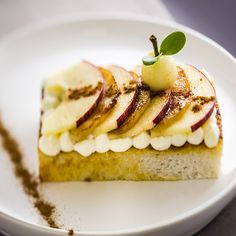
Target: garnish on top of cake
(160,121)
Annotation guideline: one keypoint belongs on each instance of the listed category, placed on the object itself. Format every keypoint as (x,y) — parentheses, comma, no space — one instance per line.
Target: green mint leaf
(173,43)
(149,60)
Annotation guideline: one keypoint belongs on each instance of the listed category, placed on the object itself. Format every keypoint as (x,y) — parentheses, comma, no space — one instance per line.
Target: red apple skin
(128,110)
(90,111)
(204,119)
(131,106)
(141,103)
(201,122)
(203,75)
(164,110)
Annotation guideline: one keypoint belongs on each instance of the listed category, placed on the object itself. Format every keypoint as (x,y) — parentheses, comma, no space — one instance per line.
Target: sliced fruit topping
(181,97)
(83,75)
(125,105)
(70,114)
(81,101)
(123,78)
(140,106)
(119,113)
(154,113)
(109,99)
(200,109)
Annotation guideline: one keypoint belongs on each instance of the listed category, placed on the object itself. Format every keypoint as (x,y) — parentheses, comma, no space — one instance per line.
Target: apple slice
(70,114)
(80,75)
(142,102)
(107,102)
(122,77)
(82,88)
(181,97)
(200,109)
(127,85)
(154,113)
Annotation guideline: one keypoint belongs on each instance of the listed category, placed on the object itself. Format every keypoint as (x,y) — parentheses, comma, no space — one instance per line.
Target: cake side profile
(160,121)
(188,162)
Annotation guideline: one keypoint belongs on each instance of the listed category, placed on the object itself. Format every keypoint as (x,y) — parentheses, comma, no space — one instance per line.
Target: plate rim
(229,191)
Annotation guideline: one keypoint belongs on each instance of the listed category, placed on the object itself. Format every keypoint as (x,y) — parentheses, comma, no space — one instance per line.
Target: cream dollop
(85,147)
(178,140)
(141,140)
(66,142)
(49,145)
(102,143)
(196,137)
(161,143)
(120,144)
(211,132)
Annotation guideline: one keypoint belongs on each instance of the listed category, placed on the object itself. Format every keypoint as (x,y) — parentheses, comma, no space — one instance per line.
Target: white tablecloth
(15,14)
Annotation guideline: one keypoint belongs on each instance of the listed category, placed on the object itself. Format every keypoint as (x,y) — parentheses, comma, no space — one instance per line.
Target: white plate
(106,208)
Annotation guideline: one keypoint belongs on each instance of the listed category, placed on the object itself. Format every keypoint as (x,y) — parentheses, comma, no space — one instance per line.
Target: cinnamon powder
(74,94)
(29,182)
(70,232)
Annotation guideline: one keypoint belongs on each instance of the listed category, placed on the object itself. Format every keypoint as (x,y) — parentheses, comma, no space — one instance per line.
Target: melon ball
(160,75)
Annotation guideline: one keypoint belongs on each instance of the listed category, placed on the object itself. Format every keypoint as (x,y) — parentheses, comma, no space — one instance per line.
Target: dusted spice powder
(70,232)
(29,182)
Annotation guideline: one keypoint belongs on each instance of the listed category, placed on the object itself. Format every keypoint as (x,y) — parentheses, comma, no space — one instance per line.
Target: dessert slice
(160,121)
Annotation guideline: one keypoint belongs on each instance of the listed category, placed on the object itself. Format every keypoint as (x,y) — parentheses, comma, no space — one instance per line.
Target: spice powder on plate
(29,182)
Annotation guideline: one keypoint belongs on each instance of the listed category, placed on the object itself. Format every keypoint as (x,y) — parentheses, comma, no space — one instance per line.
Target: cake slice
(111,124)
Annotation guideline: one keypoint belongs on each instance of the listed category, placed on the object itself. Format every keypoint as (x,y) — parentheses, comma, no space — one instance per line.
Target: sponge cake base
(187,162)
